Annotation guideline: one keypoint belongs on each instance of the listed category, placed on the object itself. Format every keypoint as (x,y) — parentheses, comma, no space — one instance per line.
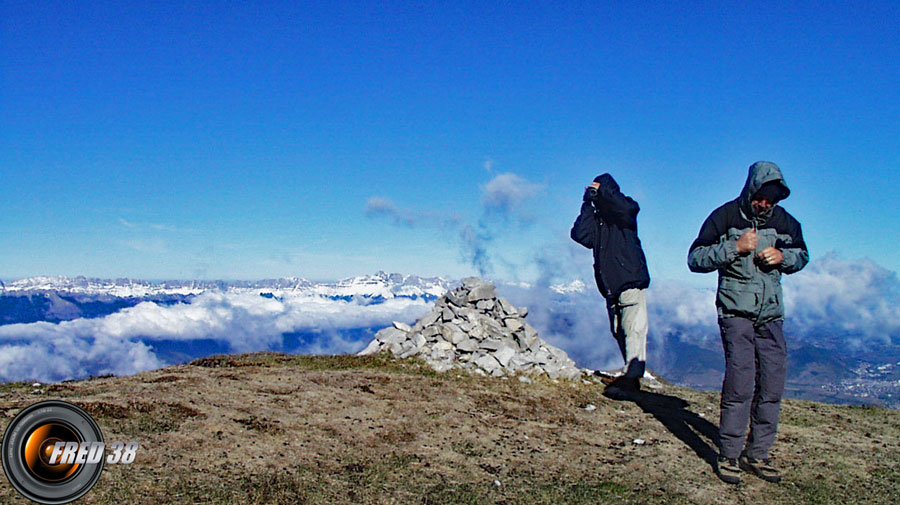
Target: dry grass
(273,428)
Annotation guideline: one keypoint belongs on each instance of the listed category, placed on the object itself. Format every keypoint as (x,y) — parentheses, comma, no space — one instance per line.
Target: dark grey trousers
(755,370)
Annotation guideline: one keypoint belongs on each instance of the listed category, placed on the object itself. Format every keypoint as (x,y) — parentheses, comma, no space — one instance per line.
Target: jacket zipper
(762,295)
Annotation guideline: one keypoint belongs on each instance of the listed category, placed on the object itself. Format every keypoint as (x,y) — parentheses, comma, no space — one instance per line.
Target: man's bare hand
(595,185)
(771,256)
(747,243)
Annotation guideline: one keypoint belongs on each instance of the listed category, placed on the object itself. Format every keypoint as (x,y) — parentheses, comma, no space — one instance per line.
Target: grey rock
(402,326)
(504,355)
(431,318)
(492,344)
(471,328)
(457,336)
(520,361)
(482,292)
(467,345)
(431,332)
(477,332)
(452,333)
(570,373)
(513,323)
(484,305)
(470,283)
(457,297)
(390,335)
(469,314)
(488,363)
(552,371)
(508,308)
(558,353)
(443,345)
(373,347)
(491,326)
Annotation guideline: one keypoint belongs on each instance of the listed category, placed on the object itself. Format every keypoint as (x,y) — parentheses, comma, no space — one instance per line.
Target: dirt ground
(272,428)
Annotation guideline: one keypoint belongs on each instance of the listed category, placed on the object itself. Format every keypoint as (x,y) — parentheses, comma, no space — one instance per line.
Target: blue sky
(254,139)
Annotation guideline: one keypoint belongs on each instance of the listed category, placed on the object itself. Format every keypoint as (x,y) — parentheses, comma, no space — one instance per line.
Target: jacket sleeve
(611,202)
(584,231)
(711,250)
(795,254)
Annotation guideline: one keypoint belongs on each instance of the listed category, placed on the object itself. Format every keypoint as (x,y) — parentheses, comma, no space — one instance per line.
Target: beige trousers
(629,325)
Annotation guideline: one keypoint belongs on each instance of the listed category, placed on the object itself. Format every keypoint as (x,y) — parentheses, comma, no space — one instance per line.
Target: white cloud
(507,191)
(378,206)
(122,343)
(831,297)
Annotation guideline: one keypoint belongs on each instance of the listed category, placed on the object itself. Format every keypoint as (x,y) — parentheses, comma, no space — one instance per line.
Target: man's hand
(771,256)
(747,243)
(590,191)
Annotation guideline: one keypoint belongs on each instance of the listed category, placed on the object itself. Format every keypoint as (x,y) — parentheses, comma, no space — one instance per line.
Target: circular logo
(46,452)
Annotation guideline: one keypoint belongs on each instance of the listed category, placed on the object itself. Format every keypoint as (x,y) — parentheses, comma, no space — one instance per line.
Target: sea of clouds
(832,302)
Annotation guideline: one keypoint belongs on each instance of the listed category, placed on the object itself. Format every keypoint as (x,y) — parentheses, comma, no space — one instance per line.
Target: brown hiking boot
(728,470)
(763,468)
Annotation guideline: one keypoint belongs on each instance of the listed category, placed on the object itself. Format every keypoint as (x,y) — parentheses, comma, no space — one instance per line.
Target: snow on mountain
(386,286)
(378,286)
(575,286)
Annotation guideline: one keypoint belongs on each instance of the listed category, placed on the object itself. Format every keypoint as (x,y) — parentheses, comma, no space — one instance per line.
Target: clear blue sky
(244,139)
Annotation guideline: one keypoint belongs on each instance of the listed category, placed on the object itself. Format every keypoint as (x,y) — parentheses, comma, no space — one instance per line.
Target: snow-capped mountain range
(377,286)
(380,285)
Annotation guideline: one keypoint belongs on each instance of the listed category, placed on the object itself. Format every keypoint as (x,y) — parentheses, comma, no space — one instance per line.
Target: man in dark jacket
(608,225)
(751,242)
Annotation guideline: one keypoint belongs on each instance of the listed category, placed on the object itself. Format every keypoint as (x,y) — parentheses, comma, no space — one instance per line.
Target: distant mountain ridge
(379,285)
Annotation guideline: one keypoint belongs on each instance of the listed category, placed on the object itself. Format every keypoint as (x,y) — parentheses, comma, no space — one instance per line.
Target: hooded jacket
(608,225)
(747,287)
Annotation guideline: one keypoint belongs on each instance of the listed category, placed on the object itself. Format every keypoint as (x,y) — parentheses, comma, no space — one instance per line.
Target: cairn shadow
(672,412)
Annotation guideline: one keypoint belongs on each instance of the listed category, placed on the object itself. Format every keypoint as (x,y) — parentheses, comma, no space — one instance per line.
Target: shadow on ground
(688,426)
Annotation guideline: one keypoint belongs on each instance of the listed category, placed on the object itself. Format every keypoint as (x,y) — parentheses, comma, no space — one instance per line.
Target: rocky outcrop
(472,328)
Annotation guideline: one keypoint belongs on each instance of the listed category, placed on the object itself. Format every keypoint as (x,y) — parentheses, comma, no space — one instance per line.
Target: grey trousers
(755,370)
(629,325)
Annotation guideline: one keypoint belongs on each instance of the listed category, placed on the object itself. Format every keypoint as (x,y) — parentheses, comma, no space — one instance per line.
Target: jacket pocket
(737,298)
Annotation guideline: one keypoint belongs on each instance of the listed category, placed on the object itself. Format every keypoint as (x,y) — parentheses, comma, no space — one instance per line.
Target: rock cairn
(472,328)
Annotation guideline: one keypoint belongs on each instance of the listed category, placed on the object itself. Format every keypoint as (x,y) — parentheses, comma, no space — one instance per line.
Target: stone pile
(472,328)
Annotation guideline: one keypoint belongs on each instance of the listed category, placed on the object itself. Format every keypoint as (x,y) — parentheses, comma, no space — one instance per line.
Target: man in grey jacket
(751,242)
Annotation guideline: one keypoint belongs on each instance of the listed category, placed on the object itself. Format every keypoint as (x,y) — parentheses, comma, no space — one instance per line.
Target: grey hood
(760,173)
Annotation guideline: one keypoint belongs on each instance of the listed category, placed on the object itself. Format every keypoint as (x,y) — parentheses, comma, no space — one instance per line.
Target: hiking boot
(623,389)
(728,470)
(763,468)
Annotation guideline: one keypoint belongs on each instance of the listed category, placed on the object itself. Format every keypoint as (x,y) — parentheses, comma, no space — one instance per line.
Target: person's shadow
(672,412)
